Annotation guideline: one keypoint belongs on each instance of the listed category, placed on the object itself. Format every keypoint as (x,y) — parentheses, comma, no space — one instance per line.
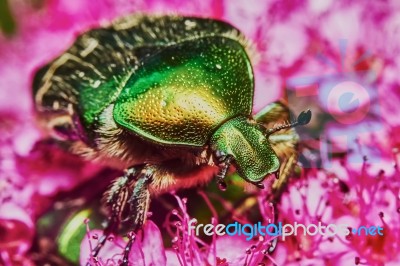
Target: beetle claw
(226,162)
(260,185)
(272,246)
(222,185)
(277,174)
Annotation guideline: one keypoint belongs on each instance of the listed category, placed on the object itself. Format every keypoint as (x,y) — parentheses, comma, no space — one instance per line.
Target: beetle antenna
(303,119)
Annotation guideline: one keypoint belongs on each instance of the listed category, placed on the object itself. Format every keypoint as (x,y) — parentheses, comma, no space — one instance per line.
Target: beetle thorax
(245,141)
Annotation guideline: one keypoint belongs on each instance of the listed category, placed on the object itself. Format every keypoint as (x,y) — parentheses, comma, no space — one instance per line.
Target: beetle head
(245,143)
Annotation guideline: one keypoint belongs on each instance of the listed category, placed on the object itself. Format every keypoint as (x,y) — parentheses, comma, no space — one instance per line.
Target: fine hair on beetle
(169,100)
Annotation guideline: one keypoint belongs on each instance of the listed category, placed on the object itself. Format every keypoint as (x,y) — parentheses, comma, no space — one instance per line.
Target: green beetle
(168,99)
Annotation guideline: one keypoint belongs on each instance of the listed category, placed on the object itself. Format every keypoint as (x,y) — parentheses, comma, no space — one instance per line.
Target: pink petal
(232,248)
(110,253)
(171,258)
(17,229)
(152,245)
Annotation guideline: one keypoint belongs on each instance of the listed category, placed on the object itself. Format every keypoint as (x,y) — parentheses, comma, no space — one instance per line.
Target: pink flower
(225,250)
(187,247)
(351,197)
(339,58)
(146,250)
(16,227)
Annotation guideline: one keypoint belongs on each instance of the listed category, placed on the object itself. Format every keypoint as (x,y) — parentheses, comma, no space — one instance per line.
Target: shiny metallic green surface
(160,89)
(89,76)
(182,94)
(243,139)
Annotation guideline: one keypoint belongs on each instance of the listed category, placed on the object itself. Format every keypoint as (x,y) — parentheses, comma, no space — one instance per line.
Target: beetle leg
(225,162)
(116,197)
(139,205)
(287,166)
(284,142)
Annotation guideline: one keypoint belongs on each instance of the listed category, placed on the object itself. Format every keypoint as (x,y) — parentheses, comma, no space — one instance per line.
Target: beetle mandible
(168,99)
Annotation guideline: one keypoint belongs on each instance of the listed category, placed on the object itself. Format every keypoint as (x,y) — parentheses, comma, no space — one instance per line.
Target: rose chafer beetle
(169,100)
